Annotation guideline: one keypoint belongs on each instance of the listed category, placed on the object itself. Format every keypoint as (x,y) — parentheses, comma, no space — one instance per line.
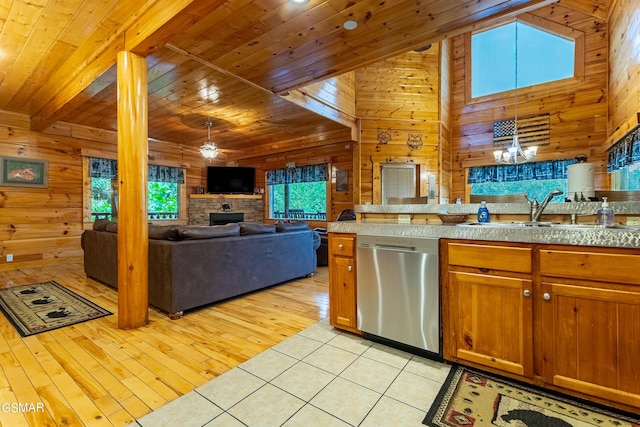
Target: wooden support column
(133,232)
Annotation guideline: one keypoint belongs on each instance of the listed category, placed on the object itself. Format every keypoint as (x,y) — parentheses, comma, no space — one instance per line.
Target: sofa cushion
(256,228)
(163,232)
(100,224)
(291,226)
(194,232)
(112,227)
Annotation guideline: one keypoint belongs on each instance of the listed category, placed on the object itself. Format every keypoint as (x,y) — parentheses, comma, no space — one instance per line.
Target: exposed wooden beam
(297,96)
(149,30)
(310,141)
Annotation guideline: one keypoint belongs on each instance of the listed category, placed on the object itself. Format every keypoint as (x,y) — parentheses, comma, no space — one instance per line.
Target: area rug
(472,398)
(41,307)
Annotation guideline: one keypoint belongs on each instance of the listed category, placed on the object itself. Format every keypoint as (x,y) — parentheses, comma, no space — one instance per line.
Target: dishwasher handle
(397,248)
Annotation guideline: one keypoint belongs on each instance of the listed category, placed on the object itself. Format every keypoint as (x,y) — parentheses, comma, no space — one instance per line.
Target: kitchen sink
(544,225)
(520,224)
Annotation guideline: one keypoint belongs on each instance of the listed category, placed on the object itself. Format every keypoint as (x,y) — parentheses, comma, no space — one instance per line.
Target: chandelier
(515,154)
(209,149)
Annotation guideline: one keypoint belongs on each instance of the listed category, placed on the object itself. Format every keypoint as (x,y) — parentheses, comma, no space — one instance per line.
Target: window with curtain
(624,162)
(535,179)
(298,192)
(162,196)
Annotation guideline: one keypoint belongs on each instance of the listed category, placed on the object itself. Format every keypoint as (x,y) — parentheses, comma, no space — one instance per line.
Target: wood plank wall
(624,64)
(578,108)
(401,94)
(44,224)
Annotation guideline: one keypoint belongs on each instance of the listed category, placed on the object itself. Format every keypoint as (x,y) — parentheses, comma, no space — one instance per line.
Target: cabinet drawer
(503,258)
(342,245)
(603,267)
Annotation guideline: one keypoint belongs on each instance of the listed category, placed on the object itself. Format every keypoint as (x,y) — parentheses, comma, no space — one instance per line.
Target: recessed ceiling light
(350,25)
(299,1)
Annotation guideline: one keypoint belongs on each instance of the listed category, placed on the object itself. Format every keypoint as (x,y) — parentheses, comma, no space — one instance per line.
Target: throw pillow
(112,227)
(100,224)
(208,232)
(291,226)
(256,228)
(163,232)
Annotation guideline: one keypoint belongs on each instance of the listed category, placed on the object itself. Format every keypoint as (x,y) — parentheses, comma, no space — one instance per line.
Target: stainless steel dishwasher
(398,290)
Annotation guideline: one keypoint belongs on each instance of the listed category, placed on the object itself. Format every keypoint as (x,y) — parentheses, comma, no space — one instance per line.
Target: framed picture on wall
(21,172)
(342,180)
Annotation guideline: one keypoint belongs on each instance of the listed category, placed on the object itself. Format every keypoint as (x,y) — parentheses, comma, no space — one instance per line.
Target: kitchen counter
(578,208)
(615,237)
(428,224)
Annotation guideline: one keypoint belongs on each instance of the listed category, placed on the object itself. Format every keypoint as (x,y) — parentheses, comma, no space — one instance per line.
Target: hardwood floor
(95,374)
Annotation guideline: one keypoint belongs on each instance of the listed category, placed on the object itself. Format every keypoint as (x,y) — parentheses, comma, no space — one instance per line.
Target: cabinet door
(591,338)
(492,321)
(342,292)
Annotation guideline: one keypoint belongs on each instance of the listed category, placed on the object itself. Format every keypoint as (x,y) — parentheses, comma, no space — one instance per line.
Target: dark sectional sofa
(191,266)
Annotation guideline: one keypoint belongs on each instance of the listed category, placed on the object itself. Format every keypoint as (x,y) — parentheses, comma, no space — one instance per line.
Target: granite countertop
(610,237)
(628,237)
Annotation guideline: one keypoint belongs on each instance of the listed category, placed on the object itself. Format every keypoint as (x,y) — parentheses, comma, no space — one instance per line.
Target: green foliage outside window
(309,196)
(101,195)
(162,196)
(532,187)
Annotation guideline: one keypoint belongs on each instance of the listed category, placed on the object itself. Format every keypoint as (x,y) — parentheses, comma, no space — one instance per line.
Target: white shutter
(398,181)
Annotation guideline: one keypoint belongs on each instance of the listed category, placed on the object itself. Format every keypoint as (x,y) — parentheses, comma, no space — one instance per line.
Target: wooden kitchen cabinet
(488,311)
(564,317)
(591,322)
(342,281)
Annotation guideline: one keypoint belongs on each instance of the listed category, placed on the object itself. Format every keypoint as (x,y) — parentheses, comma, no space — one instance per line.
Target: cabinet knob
(341,246)
(546,296)
(349,268)
(526,293)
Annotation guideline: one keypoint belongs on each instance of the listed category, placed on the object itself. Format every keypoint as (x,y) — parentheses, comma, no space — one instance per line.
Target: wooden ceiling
(227,60)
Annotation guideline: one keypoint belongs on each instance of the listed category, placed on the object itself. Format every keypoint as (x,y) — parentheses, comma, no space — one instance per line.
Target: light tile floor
(319,377)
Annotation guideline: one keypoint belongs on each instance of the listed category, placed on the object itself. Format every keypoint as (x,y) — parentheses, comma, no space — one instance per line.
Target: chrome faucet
(538,208)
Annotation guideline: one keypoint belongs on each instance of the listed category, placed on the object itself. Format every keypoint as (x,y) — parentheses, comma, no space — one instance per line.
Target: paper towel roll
(580,180)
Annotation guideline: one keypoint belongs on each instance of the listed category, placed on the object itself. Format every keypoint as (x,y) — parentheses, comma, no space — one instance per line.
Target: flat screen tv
(230,180)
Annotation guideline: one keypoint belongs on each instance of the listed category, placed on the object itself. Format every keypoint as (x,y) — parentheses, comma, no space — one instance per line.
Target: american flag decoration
(532,131)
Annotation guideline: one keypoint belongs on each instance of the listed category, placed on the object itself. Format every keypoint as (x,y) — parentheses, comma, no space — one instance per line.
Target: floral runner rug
(472,398)
(41,307)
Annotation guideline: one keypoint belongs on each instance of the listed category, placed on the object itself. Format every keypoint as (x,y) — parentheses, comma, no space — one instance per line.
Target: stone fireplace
(201,206)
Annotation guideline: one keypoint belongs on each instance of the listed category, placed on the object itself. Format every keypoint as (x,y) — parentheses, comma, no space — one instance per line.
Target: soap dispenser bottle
(605,214)
(483,213)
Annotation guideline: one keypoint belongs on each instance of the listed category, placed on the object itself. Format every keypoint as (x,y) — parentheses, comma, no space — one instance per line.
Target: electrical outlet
(404,219)
(9,257)
(633,221)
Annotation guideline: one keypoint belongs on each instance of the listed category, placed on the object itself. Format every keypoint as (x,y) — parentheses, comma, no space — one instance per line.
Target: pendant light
(209,149)
(515,154)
